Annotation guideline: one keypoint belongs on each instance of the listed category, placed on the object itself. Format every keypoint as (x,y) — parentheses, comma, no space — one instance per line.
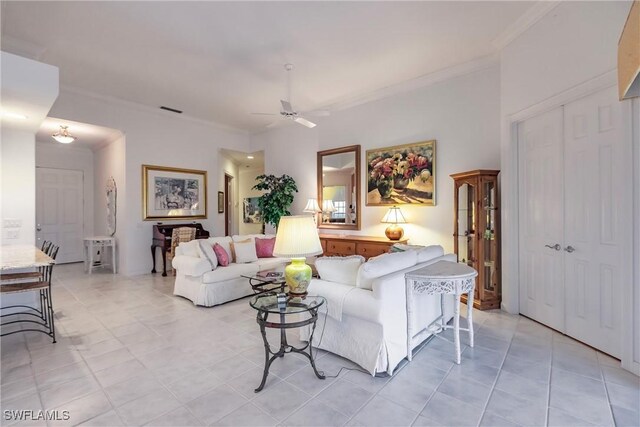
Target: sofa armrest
(190,266)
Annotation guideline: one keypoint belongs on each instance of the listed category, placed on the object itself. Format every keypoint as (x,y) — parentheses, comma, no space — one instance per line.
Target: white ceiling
(240,158)
(89,136)
(219,61)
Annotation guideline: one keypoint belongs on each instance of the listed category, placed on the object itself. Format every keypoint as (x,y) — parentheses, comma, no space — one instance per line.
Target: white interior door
(598,165)
(59,211)
(575,166)
(541,218)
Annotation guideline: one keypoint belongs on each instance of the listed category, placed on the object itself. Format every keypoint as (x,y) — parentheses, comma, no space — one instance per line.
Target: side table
(283,306)
(100,243)
(439,278)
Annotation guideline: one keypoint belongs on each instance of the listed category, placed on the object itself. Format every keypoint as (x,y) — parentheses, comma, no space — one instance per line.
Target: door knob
(570,249)
(38,227)
(557,247)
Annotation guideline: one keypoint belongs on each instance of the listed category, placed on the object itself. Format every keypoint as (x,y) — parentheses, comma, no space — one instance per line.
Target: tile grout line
(546,416)
(493,385)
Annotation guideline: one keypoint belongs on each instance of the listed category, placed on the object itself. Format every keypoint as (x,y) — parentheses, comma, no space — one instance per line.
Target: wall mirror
(339,188)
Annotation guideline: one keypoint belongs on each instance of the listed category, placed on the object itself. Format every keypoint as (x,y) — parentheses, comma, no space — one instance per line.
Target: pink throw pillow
(264,247)
(221,254)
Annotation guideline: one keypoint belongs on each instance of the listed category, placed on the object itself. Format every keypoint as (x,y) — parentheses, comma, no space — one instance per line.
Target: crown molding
(417,83)
(146,109)
(523,23)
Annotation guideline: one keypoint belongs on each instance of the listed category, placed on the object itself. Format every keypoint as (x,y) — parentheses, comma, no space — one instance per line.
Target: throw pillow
(245,252)
(264,247)
(221,255)
(399,247)
(225,242)
(384,264)
(206,252)
(189,248)
(232,246)
(339,269)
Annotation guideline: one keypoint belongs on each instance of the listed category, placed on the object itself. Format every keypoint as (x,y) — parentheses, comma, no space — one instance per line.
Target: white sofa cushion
(205,251)
(429,252)
(384,264)
(245,251)
(271,263)
(339,269)
(188,248)
(232,271)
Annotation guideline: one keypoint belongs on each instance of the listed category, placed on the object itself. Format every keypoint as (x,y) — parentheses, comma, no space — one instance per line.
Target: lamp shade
(312,206)
(297,237)
(394,216)
(327,206)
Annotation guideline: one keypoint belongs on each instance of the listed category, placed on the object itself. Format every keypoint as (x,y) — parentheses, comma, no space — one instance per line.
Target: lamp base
(394,232)
(297,275)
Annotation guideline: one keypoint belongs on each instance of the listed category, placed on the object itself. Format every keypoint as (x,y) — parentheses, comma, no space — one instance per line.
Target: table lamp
(394,217)
(312,208)
(327,209)
(297,238)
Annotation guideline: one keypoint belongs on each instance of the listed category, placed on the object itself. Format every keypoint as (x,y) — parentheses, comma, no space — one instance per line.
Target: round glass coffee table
(289,313)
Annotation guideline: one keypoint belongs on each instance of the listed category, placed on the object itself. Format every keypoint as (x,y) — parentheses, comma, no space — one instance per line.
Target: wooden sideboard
(367,246)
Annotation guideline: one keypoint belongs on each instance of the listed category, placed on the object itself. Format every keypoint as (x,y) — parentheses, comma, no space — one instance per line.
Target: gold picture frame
(402,175)
(173,193)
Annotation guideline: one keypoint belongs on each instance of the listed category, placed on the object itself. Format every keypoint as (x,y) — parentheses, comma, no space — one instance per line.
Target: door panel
(59,211)
(541,218)
(597,159)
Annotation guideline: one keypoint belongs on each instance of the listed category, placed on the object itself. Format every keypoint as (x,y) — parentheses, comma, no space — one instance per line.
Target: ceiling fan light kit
(288,112)
(63,136)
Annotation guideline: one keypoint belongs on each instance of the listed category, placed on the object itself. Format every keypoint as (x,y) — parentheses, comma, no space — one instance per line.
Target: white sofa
(367,320)
(195,280)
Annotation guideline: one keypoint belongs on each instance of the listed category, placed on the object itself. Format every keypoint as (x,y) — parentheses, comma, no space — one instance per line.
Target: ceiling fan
(287,112)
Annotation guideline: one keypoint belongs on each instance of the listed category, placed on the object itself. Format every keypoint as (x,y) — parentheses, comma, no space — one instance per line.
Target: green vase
(384,188)
(297,275)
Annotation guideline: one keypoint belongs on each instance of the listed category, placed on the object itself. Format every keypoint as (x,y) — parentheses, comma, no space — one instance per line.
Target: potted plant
(276,201)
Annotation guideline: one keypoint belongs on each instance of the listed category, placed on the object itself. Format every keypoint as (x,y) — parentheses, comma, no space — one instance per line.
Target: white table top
(13,257)
(442,270)
(100,238)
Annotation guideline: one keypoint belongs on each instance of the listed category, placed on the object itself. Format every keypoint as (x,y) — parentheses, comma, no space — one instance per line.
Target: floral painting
(404,174)
(251,212)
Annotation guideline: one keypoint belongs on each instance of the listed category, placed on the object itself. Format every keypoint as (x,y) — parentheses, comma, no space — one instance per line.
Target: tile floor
(130,353)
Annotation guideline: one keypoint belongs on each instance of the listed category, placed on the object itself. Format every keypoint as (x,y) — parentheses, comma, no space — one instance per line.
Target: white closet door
(541,218)
(59,211)
(598,165)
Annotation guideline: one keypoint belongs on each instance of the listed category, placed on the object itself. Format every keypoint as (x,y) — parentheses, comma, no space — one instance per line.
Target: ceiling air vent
(173,110)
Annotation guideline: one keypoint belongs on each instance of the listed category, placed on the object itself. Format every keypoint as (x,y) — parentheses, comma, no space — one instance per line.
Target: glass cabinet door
(466,232)
(489,237)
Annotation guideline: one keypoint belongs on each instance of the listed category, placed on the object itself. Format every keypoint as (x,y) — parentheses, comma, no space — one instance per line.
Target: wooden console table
(367,246)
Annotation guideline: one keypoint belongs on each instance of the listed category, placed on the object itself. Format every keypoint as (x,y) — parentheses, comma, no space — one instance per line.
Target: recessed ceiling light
(63,136)
(250,157)
(10,115)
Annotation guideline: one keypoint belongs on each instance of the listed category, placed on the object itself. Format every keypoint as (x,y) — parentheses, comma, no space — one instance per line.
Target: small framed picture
(220,201)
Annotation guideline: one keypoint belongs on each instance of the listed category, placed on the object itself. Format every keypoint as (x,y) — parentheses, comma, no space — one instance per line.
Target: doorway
(60,211)
(228,203)
(574,215)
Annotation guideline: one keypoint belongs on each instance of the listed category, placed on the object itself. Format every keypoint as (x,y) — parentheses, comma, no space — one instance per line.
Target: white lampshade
(394,216)
(297,237)
(312,206)
(327,206)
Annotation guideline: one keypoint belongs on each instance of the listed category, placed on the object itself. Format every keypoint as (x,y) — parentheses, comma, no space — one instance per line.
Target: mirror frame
(355,149)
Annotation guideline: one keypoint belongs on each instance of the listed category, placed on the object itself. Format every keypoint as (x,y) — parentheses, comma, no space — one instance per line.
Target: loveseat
(365,318)
(199,281)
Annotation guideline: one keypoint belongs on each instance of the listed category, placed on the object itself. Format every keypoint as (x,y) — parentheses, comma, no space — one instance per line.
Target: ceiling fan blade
(317,113)
(304,122)
(286,106)
(264,114)
(275,124)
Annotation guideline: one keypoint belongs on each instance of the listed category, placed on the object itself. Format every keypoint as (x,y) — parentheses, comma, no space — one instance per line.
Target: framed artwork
(402,175)
(251,213)
(173,193)
(220,201)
